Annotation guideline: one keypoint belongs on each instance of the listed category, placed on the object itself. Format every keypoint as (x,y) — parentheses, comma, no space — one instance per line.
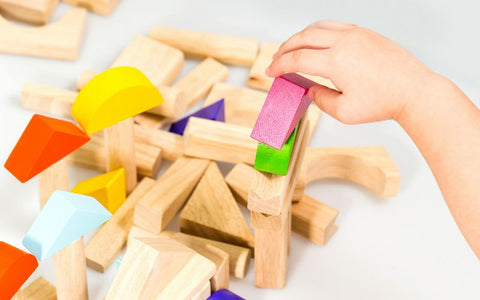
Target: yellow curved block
(108,189)
(113,96)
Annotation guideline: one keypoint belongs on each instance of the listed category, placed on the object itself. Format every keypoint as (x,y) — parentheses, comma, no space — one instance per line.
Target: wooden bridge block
(16,266)
(44,141)
(214,112)
(225,295)
(286,103)
(108,189)
(212,212)
(65,218)
(40,289)
(102,7)
(35,12)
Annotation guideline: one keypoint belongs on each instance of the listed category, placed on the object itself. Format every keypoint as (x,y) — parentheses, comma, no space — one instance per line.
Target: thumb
(327,99)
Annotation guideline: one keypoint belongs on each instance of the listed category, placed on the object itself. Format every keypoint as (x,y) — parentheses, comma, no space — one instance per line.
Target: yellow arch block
(113,96)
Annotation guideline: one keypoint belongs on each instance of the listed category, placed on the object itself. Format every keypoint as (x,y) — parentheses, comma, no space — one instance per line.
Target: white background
(405,247)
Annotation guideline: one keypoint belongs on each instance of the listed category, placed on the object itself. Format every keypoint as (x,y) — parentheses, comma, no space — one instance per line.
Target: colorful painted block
(15,268)
(65,218)
(286,103)
(108,189)
(44,142)
(224,295)
(113,96)
(215,112)
(271,160)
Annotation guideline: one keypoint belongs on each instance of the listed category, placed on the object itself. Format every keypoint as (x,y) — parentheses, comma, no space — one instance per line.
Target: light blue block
(65,218)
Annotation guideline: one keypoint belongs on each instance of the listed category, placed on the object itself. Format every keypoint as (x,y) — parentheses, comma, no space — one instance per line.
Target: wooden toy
(109,241)
(102,7)
(214,112)
(15,268)
(271,160)
(228,49)
(53,139)
(59,40)
(158,207)
(35,12)
(219,141)
(170,143)
(225,295)
(212,212)
(46,99)
(152,121)
(40,289)
(286,103)
(108,189)
(142,272)
(204,293)
(64,219)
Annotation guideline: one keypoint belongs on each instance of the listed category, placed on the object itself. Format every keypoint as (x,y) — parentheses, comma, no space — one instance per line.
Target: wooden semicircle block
(113,96)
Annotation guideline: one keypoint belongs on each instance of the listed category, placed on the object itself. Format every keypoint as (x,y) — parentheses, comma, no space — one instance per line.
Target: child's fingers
(308,61)
(332,24)
(328,100)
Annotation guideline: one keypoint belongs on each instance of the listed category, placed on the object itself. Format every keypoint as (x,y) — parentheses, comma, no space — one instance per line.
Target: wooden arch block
(113,96)
(44,141)
(64,219)
(214,112)
(108,189)
(15,268)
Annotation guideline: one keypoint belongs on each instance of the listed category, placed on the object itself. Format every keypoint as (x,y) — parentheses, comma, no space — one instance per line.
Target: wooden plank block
(152,121)
(158,207)
(170,143)
(214,112)
(108,242)
(228,49)
(40,289)
(204,293)
(59,40)
(36,12)
(219,141)
(102,7)
(46,99)
(212,212)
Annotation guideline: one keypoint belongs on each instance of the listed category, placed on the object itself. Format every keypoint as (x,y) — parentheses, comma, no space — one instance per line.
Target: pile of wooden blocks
(130,118)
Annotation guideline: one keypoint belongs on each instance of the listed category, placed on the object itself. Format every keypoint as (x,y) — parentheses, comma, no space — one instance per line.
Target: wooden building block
(59,40)
(219,141)
(200,80)
(152,121)
(142,272)
(214,112)
(204,293)
(225,295)
(228,49)
(44,141)
(102,7)
(212,212)
(170,143)
(64,219)
(36,12)
(158,207)
(109,241)
(286,103)
(40,289)
(85,77)
(16,266)
(46,99)
(108,189)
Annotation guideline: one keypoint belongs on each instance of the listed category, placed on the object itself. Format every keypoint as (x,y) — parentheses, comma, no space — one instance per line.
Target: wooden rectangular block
(102,7)
(46,99)
(36,12)
(204,293)
(40,289)
(152,121)
(170,143)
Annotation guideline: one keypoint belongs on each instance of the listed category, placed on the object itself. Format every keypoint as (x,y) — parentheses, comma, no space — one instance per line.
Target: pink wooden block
(286,103)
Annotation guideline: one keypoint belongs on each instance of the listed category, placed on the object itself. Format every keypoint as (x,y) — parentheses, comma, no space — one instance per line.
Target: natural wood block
(170,143)
(108,242)
(36,12)
(85,77)
(46,99)
(204,293)
(53,178)
(71,272)
(228,49)
(40,289)
(212,212)
(102,7)
(158,207)
(214,112)
(219,141)
(59,40)
(152,121)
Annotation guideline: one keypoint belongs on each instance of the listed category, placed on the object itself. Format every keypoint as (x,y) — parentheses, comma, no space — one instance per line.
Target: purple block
(286,103)
(224,295)
(215,112)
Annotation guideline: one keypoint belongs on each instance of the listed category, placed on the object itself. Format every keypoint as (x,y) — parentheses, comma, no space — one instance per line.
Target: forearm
(445,126)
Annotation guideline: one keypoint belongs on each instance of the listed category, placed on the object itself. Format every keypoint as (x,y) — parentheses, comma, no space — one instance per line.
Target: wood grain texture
(36,12)
(46,99)
(71,272)
(53,178)
(158,207)
(204,293)
(102,7)
(212,212)
(39,289)
(228,49)
(58,40)
(109,241)
(170,143)
(152,121)
(219,141)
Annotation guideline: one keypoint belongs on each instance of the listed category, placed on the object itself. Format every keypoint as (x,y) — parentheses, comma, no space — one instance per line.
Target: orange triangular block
(108,189)
(44,141)
(213,213)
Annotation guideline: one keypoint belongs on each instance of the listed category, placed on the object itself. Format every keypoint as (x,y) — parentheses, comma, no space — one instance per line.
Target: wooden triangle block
(212,212)
(15,268)
(224,295)
(108,189)
(64,219)
(214,112)
(40,289)
(44,141)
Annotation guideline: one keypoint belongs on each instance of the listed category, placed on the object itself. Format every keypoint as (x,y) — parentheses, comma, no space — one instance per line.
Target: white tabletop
(405,247)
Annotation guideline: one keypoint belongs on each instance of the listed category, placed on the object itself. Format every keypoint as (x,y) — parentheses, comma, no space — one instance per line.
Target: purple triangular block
(215,112)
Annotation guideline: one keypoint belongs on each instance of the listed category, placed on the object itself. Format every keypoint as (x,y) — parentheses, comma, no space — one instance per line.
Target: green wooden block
(271,160)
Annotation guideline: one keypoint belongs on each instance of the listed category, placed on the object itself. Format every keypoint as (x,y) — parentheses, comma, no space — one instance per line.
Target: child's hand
(377,79)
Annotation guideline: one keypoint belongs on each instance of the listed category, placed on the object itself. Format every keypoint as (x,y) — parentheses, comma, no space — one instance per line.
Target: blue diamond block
(224,295)
(215,112)
(64,219)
